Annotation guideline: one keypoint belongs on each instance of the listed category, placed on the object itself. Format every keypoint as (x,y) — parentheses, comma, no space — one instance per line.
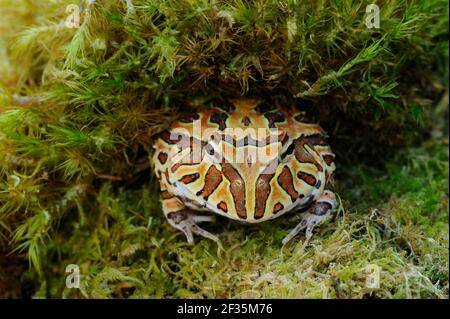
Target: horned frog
(247,160)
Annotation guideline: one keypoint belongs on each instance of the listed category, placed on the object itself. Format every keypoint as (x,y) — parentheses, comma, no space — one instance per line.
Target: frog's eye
(212,151)
(209,149)
(287,151)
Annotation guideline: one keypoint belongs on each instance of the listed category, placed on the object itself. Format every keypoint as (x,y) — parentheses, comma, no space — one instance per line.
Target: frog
(250,160)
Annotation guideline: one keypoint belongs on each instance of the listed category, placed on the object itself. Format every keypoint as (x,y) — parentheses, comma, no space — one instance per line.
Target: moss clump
(79,107)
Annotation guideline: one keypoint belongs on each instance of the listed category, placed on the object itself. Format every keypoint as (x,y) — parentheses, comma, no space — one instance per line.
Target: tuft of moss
(79,107)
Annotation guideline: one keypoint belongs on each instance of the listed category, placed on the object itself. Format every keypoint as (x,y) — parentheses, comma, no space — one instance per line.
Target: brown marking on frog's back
(286,181)
(303,156)
(262,189)
(307,178)
(213,178)
(187,179)
(237,188)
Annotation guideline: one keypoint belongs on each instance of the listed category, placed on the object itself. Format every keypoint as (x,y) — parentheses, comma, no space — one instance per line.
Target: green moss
(79,107)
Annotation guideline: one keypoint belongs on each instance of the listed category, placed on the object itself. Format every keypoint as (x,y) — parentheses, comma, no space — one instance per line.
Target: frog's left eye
(212,151)
(209,149)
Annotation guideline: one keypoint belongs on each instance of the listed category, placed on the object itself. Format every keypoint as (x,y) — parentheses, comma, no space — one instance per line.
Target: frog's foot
(187,223)
(314,216)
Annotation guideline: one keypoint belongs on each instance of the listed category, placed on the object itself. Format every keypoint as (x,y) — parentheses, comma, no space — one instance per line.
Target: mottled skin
(250,188)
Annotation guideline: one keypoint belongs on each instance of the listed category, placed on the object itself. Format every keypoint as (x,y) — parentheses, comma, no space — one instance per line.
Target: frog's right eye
(287,151)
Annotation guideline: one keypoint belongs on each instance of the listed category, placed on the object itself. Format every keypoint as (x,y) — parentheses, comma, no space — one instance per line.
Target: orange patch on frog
(223,206)
(277,207)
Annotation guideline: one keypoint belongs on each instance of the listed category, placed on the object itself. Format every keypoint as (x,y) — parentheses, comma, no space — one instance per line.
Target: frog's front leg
(184,219)
(318,211)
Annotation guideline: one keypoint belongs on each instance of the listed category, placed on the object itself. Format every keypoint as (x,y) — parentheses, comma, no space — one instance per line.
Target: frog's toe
(314,216)
(203,218)
(200,231)
(309,221)
(187,223)
(295,231)
(191,227)
(188,233)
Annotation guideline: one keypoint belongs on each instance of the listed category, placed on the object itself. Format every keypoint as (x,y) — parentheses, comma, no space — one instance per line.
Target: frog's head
(264,171)
(249,160)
